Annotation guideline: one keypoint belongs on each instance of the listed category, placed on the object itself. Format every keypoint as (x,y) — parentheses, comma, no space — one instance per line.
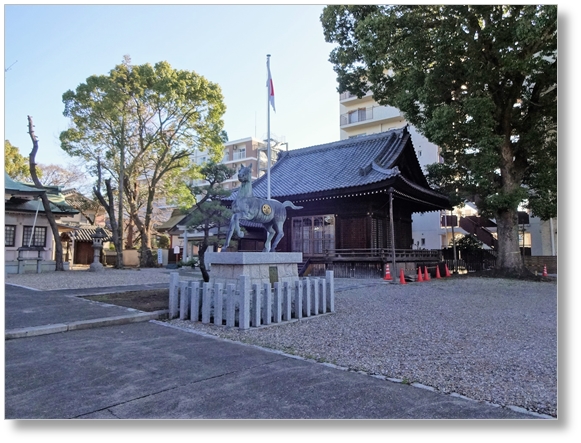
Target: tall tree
(144,122)
(208,212)
(478,81)
(58,250)
(15,164)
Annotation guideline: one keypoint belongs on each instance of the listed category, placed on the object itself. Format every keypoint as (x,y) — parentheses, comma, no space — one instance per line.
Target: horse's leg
(231,228)
(279,234)
(238,230)
(270,233)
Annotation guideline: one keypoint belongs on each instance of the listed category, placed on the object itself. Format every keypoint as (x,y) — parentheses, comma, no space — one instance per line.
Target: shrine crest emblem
(266,209)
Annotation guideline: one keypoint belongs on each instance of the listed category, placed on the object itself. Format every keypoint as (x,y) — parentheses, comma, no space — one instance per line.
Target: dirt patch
(147,301)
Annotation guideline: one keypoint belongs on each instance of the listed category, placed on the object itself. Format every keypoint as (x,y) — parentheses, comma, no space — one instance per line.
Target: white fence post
(195,301)
(218,298)
(330,291)
(184,301)
(306,297)
(322,295)
(206,303)
(231,305)
(298,299)
(287,301)
(277,303)
(315,296)
(174,281)
(255,309)
(267,305)
(244,313)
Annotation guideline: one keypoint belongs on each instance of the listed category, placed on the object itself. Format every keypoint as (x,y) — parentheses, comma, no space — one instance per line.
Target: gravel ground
(491,340)
(487,339)
(82,278)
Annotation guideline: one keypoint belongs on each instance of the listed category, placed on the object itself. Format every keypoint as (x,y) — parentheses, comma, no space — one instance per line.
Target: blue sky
(50,49)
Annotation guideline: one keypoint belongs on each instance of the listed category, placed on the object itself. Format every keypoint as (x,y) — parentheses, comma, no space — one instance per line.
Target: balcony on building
(369,116)
(347,97)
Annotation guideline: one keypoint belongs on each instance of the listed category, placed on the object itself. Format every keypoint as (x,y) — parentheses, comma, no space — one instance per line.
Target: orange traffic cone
(426,275)
(402,277)
(447,270)
(438,272)
(387,273)
(420,277)
(545,271)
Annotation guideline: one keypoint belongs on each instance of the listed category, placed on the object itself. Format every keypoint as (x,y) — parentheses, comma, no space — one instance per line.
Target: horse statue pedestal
(260,267)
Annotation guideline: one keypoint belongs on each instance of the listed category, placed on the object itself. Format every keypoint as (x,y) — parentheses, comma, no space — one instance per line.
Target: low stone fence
(245,305)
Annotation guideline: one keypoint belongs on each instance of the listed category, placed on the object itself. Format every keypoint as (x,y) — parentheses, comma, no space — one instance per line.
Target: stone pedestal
(260,267)
(96,267)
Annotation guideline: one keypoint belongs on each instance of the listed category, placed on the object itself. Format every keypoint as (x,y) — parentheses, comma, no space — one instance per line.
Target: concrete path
(113,367)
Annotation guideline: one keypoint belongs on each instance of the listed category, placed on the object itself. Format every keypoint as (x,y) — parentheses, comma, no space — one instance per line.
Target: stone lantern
(98,238)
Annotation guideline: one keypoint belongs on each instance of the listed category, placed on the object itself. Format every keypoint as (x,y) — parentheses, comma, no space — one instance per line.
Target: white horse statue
(271,213)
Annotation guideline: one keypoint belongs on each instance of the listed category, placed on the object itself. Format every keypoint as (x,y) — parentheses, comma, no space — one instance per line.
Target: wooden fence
(246,305)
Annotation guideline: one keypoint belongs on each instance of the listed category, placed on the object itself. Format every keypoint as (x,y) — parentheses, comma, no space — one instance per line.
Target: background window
(9,234)
(313,235)
(39,237)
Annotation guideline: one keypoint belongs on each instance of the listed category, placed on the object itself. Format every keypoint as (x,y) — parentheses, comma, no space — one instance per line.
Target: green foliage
(468,243)
(142,124)
(478,81)
(163,242)
(193,262)
(15,164)
(208,211)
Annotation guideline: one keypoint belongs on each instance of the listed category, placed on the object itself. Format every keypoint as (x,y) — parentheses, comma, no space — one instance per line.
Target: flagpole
(268,130)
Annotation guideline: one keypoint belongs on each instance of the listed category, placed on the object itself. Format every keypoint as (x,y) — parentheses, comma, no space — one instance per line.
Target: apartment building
(245,151)
(364,116)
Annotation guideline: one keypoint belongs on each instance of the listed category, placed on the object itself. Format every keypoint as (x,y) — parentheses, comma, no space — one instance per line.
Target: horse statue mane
(270,213)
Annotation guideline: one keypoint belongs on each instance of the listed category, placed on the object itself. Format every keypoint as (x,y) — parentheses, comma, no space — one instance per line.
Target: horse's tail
(289,204)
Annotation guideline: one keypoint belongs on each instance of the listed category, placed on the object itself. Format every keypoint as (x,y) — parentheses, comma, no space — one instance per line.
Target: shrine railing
(384,254)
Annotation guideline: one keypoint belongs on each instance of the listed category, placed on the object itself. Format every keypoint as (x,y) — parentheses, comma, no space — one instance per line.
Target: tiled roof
(333,166)
(170,223)
(85,233)
(20,194)
(17,188)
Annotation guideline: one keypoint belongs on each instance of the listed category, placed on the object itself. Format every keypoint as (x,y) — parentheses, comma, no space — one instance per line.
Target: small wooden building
(358,196)
(79,244)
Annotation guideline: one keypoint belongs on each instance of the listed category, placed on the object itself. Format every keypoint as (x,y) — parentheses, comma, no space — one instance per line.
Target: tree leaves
(478,81)
(143,123)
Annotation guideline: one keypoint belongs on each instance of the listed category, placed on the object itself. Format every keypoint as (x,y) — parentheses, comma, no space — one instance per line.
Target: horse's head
(245,173)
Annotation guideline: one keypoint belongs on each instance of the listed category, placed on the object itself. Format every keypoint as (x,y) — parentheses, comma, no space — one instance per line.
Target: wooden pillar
(391,229)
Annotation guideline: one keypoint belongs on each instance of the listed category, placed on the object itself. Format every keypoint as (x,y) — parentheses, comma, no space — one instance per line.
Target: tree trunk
(129,237)
(143,226)
(201,255)
(109,206)
(58,246)
(146,260)
(509,257)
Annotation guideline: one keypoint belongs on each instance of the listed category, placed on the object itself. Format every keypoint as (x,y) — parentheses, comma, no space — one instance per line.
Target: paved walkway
(67,357)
